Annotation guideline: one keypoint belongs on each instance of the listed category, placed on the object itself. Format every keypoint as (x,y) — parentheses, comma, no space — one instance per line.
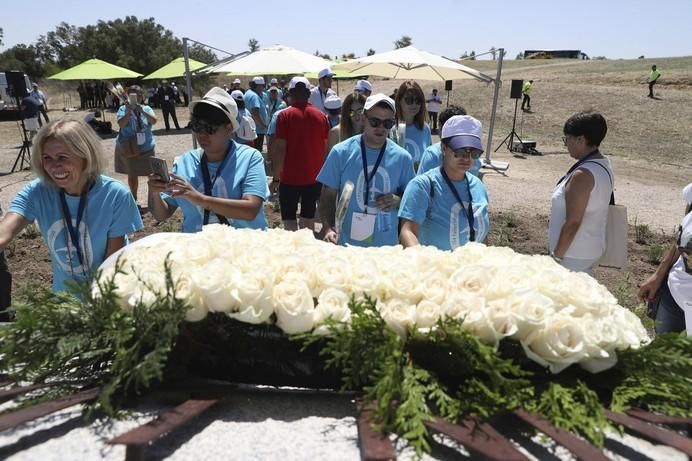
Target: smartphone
(160,168)
(133,99)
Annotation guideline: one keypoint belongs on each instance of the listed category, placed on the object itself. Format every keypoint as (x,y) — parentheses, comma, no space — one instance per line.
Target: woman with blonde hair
(413,133)
(84,216)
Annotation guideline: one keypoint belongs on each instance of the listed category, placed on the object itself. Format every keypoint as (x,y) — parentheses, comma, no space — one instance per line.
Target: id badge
(165,98)
(141,138)
(362,227)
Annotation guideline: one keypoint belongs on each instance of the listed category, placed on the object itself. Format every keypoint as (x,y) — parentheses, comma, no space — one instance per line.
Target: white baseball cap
(377,98)
(296,80)
(462,131)
(326,72)
(273,81)
(237,95)
(219,98)
(362,85)
(259,80)
(237,80)
(332,102)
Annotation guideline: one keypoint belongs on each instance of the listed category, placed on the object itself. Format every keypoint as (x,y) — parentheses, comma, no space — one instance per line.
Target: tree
(493,52)
(520,56)
(23,58)
(404,41)
(253,45)
(371,52)
(202,54)
(2,34)
(348,56)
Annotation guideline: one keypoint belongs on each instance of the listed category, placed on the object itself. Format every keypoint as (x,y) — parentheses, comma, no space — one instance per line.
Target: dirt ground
(648,142)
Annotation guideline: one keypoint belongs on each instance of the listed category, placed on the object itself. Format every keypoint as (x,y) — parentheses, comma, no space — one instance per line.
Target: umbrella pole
(497,166)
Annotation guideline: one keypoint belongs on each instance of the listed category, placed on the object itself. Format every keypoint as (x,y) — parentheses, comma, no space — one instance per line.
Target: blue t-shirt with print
(417,140)
(258,101)
(274,106)
(444,222)
(242,174)
(344,163)
(432,158)
(110,212)
(271,129)
(130,130)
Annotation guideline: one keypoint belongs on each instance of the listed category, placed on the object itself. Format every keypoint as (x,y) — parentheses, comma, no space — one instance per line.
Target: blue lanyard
(365,169)
(74,230)
(208,183)
(468,210)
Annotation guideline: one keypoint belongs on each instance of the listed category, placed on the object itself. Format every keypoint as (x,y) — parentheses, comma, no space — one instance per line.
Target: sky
(611,28)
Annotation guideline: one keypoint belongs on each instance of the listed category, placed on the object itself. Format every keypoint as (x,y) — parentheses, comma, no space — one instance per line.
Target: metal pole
(188,81)
(498,83)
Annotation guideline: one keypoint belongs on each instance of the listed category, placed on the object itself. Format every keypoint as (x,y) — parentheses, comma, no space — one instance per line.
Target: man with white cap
(275,102)
(669,289)
(448,207)
(256,101)
(379,169)
(320,93)
(40,97)
(236,85)
(363,87)
(433,103)
(222,181)
(247,131)
(298,153)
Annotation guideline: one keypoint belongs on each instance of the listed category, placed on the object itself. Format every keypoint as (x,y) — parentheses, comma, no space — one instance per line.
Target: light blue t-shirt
(344,163)
(130,130)
(274,106)
(242,174)
(255,101)
(432,158)
(110,212)
(417,140)
(444,222)
(271,129)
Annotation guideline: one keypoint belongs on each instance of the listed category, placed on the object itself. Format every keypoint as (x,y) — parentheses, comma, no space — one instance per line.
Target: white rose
(631,332)
(531,310)
(332,304)
(557,345)
(427,314)
(479,323)
(501,318)
(294,306)
(364,280)
(600,336)
(332,272)
(433,287)
(185,290)
(252,295)
(398,314)
(126,284)
(196,251)
(506,281)
(404,285)
(214,281)
(553,283)
(473,279)
(459,303)
(471,253)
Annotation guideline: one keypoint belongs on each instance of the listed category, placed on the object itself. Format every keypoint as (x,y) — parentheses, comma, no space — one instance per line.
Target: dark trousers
(42,110)
(5,289)
(168,108)
(651,89)
(433,119)
(526,102)
(669,316)
(259,142)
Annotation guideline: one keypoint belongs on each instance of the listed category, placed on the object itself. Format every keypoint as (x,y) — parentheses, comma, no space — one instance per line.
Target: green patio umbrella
(95,69)
(174,69)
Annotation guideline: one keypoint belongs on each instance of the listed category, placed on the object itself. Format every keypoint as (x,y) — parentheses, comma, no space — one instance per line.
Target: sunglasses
(468,152)
(376,122)
(411,100)
(202,126)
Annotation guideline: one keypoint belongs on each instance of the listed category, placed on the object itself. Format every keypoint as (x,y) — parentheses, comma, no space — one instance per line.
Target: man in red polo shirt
(300,146)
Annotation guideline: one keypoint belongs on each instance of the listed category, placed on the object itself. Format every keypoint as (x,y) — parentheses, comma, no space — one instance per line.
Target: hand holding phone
(159,168)
(132,99)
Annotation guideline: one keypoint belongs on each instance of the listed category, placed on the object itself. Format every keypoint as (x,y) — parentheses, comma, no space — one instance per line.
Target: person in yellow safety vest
(526,91)
(653,78)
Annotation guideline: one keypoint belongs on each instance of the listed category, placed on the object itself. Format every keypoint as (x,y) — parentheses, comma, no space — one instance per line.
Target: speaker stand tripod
(24,154)
(509,139)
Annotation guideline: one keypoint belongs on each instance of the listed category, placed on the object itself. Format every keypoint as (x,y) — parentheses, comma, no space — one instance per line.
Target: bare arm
(257,118)
(409,233)
(245,208)
(577,194)
(332,140)
(649,287)
(114,244)
(327,208)
(278,156)
(160,209)
(11,225)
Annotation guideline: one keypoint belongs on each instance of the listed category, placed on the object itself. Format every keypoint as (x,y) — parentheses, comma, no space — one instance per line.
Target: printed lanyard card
(363,227)
(141,138)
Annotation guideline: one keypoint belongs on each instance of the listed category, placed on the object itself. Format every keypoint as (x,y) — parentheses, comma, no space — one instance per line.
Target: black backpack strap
(432,195)
(612,184)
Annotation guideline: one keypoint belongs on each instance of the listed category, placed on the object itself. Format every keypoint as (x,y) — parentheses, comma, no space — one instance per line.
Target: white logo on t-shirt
(60,245)
(379,185)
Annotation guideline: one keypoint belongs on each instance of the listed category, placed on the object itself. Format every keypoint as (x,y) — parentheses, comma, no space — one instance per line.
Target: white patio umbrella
(274,60)
(410,63)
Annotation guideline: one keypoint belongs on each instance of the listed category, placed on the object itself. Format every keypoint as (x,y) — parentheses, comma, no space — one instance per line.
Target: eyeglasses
(468,152)
(202,126)
(411,100)
(376,122)
(565,138)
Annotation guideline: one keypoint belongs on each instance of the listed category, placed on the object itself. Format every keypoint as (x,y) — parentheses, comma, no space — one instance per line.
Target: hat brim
(460,141)
(212,102)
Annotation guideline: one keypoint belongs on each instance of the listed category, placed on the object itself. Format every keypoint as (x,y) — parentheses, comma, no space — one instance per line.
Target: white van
(7,101)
